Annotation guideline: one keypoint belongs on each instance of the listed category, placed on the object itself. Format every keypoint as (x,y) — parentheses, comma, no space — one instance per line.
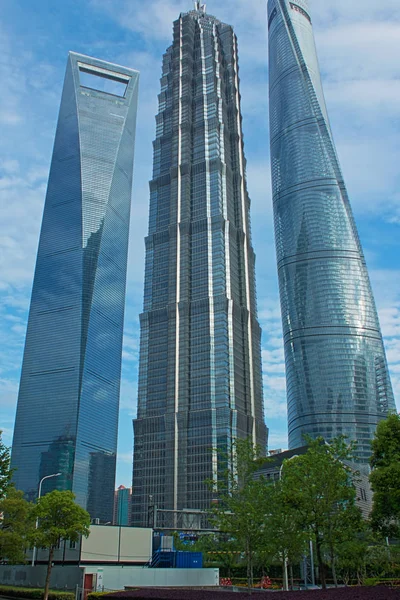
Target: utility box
(189,560)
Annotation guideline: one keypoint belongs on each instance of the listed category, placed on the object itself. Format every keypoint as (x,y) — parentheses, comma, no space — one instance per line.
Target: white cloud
(342,11)
(278,440)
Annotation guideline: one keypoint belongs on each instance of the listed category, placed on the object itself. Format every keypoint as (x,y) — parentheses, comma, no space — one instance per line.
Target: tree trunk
(249,565)
(49,566)
(291,577)
(321,563)
(250,570)
(285,577)
(332,553)
(334,573)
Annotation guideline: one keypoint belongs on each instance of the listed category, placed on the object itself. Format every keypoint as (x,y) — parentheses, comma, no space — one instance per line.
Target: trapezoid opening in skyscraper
(337,375)
(200,379)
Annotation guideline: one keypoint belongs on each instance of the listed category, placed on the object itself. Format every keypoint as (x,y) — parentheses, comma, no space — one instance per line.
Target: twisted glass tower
(200,382)
(336,369)
(67,412)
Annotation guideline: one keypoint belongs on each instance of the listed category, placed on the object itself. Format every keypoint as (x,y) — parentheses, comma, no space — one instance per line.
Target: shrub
(390,581)
(33,593)
(97,595)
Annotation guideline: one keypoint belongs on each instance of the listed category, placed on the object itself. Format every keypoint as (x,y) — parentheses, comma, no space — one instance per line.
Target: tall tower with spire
(337,375)
(200,382)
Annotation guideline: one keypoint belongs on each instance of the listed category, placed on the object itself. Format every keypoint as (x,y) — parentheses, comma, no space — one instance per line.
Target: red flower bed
(355,593)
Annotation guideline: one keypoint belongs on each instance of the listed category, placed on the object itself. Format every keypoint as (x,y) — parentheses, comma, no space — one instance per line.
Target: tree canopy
(58,517)
(5,469)
(239,512)
(319,487)
(385,477)
(16,527)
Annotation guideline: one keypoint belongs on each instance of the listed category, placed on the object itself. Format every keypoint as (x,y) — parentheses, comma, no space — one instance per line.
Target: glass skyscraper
(122,506)
(336,369)
(67,412)
(200,381)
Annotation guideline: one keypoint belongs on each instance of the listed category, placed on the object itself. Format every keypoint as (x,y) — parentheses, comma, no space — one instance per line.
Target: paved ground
(355,593)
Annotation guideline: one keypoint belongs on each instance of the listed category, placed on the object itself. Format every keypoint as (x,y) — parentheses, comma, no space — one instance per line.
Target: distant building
(122,506)
(67,412)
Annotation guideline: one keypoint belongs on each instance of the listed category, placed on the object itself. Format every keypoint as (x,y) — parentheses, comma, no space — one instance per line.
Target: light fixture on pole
(37,520)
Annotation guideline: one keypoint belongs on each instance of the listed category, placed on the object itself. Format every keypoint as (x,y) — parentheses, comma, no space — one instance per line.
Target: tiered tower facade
(200,380)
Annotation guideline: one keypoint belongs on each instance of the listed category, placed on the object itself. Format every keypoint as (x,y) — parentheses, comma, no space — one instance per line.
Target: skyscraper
(122,506)
(200,382)
(336,369)
(67,413)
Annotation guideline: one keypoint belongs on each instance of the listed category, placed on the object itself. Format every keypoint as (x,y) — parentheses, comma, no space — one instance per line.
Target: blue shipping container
(189,560)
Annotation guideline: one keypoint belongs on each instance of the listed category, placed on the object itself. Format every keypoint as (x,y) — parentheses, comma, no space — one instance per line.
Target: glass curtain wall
(67,413)
(200,382)
(337,375)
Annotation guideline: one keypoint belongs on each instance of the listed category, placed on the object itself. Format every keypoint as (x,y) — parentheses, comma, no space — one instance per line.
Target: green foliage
(267,523)
(5,470)
(319,488)
(15,527)
(97,595)
(33,593)
(350,560)
(385,477)
(284,540)
(239,511)
(58,517)
(378,560)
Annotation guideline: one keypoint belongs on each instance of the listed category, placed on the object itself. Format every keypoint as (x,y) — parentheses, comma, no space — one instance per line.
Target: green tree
(284,539)
(319,487)
(219,550)
(16,525)
(239,511)
(350,560)
(385,477)
(5,470)
(58,517)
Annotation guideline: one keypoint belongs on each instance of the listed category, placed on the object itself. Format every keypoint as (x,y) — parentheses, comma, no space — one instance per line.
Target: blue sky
(358,44)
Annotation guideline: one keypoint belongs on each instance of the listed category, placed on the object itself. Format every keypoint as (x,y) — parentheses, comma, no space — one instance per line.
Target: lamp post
(37,520)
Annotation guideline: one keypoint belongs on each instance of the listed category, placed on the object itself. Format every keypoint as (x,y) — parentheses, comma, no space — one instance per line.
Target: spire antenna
(200,7)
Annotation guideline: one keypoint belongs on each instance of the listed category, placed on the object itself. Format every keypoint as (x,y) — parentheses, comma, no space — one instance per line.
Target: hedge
(390,581)
(33,593)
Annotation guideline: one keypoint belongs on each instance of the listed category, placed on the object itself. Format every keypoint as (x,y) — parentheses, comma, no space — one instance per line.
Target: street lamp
(37,520)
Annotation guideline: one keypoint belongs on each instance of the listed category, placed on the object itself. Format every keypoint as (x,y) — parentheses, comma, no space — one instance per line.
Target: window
(72,545)
(102,80)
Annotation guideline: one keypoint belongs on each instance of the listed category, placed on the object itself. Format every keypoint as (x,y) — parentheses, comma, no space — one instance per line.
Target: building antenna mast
(200,7)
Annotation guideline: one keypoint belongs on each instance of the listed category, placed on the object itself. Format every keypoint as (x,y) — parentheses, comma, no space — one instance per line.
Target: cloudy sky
(358,44)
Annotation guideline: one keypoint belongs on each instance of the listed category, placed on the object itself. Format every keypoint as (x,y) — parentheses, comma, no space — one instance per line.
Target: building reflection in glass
(68,401)
(336,369)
